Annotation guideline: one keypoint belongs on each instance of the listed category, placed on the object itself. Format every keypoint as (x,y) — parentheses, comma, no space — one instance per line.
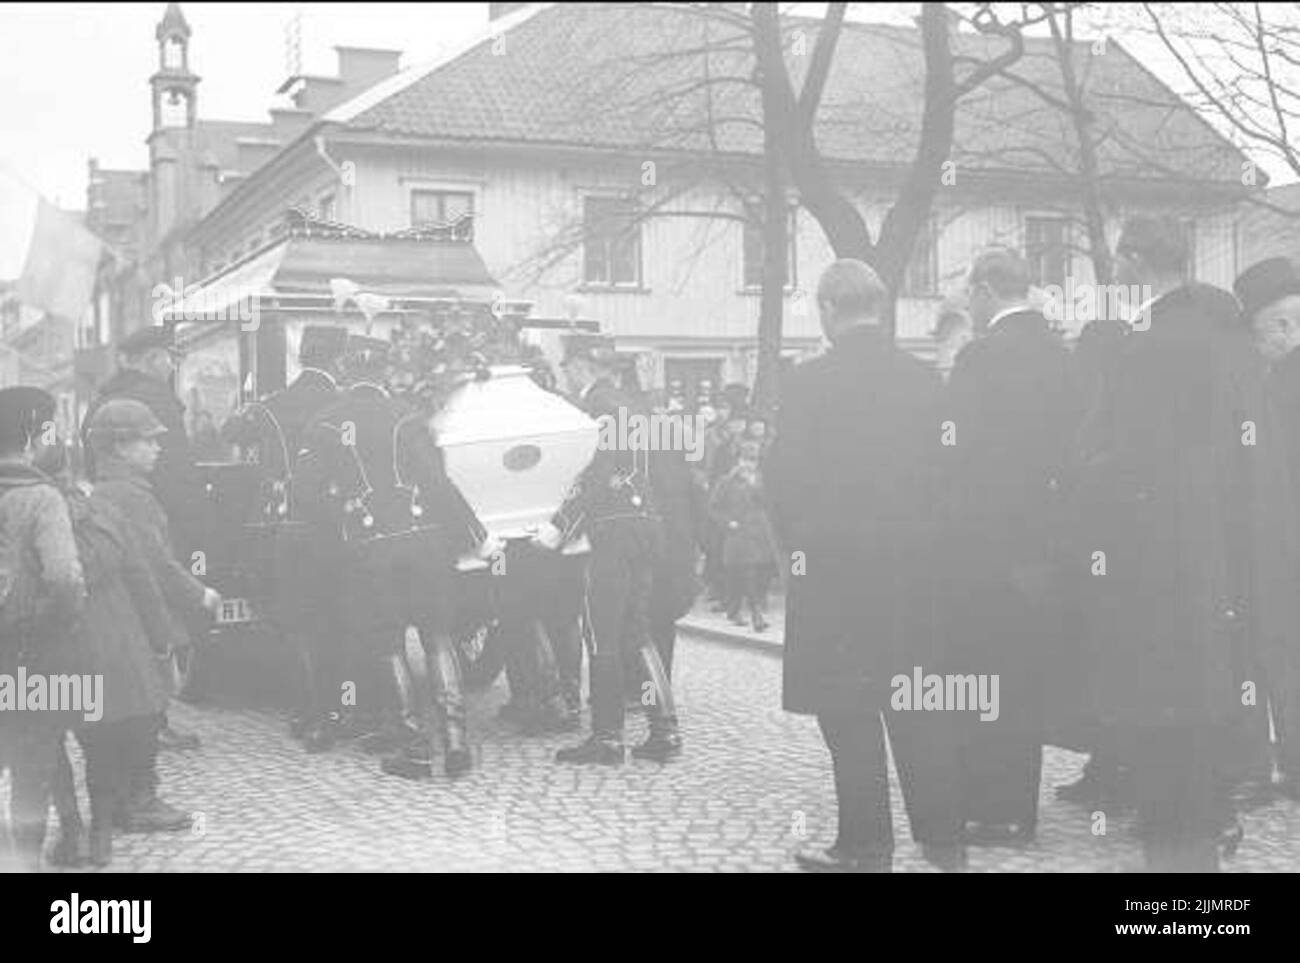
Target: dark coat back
(848,476)
(1181,508)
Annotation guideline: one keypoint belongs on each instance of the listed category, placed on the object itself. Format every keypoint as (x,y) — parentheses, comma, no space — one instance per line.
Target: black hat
(322,345)
(598,348)
(23,409)
(1266,282)
(138,342)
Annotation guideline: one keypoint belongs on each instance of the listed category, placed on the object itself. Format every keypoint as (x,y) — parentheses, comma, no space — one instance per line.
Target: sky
(74,77)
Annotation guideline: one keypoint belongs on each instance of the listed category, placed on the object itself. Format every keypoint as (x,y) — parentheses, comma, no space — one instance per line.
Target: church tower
(174,89)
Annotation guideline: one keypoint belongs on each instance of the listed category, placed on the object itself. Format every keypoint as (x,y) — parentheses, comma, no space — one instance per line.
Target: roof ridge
(349,110)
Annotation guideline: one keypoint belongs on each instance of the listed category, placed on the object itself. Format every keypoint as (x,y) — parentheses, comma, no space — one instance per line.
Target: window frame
(609,284)
(1066,250)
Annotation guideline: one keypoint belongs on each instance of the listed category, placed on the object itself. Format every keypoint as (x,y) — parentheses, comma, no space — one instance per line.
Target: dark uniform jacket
(1189,517)
(290,410)
(176,481)
(617,482)
(370,467)
(848,480)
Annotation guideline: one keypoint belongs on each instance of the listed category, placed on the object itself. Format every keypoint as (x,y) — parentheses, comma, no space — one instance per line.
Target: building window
(327,210)
(752,254)
(611,241)
(1048,249)
(440,207)
(922,276)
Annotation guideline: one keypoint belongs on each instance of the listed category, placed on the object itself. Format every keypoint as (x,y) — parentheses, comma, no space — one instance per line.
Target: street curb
(736,639)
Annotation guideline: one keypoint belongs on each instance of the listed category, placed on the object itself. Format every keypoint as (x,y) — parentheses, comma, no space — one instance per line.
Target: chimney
(363,67)
(498,10)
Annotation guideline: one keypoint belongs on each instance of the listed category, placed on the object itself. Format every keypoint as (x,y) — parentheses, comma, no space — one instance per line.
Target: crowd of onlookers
(92,588)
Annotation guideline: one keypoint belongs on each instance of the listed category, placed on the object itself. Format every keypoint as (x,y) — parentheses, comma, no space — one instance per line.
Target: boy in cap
(124,437)
(41,591)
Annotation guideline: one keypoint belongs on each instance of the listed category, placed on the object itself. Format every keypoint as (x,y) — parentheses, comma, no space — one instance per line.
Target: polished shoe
(949,857)
(760,623)
(596,750)
(659,747)
(298,724)
(407,766)
(998,834)
(155,816)
(834,860)
(171,739)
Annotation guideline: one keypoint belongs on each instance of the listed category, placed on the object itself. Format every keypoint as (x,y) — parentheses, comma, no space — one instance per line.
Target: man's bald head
(850,293)
(999,279)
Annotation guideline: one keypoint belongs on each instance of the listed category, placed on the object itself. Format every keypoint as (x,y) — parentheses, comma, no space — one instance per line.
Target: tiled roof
(626,76)
(219,140)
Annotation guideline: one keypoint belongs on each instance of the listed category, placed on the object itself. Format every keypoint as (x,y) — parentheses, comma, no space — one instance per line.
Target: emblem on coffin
(513,449)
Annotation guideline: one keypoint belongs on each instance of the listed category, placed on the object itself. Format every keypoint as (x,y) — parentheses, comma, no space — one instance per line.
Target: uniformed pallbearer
(612,503)
(305,598)
(371,468)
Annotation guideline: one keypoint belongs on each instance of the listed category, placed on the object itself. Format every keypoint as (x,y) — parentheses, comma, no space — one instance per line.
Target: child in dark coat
(748,549)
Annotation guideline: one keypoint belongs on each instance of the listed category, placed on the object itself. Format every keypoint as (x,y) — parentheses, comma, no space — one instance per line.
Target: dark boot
(151,815)
(449,703)
(597,750)
(664,741)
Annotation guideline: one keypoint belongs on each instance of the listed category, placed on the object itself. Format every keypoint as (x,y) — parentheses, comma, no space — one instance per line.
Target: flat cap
(1266,282)
(121,419)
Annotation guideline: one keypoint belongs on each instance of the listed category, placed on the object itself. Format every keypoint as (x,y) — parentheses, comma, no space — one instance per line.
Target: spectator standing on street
(42,590)
(847,481)
(146,366)
(748,555)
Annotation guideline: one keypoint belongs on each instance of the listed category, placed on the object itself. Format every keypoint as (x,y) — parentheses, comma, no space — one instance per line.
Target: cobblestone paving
(731,803)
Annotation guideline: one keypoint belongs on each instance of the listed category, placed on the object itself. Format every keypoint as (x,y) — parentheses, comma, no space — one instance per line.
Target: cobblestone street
(733,802)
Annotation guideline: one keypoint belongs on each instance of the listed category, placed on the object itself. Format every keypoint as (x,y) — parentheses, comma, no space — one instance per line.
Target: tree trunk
(776,242)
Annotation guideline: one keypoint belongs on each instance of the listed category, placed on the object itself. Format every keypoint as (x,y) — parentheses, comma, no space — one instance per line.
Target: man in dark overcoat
(1012,420)
(1175,498)
(848,478)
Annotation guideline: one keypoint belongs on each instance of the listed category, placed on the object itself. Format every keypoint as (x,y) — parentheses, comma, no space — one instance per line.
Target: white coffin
(513,449)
